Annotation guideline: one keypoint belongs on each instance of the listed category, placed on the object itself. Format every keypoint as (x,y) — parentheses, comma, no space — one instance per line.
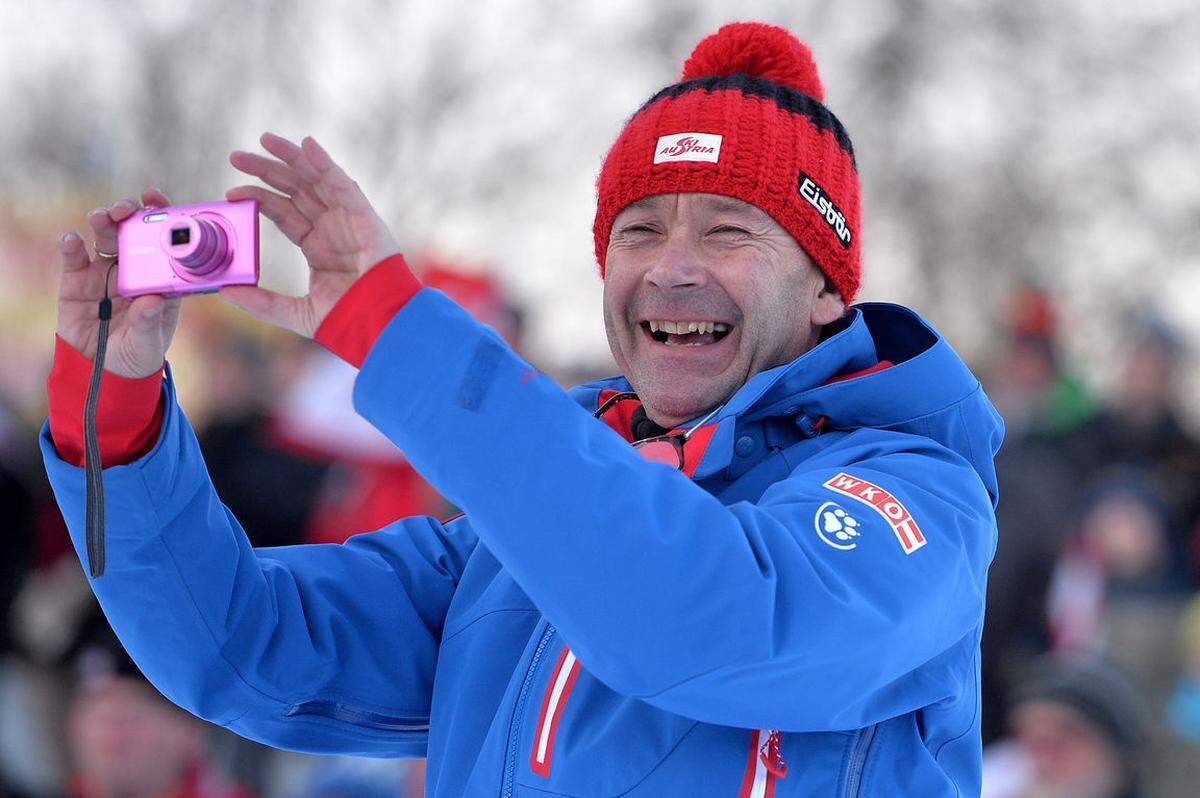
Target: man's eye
(728,229)
(637,228)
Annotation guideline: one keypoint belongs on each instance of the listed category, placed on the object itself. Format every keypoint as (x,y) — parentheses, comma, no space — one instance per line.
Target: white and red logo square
(893,511)
(688,147)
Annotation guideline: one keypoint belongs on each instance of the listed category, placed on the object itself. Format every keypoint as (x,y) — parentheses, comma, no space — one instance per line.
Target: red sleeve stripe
(350,328)
(128,416)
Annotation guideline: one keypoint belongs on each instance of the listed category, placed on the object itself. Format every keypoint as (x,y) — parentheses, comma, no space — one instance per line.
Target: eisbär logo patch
(688,147)
(884,503)
(820,200)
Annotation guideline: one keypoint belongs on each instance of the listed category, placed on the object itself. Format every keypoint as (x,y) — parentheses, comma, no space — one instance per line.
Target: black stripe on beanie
(787,98)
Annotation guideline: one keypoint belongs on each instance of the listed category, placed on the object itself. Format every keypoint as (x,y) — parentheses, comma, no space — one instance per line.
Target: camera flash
(154,217)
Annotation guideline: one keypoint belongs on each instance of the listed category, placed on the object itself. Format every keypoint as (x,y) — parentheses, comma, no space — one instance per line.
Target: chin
(669,411)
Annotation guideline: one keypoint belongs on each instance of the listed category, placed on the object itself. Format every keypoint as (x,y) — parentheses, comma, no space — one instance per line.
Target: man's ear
(827,306)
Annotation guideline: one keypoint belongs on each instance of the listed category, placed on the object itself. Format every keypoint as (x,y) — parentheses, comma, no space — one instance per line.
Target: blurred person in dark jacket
(1124,578)
(1077,731)
(266,480)
(1044,408)
(1141,432)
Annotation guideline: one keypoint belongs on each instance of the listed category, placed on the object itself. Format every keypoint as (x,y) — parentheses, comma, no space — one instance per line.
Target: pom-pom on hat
(746,121)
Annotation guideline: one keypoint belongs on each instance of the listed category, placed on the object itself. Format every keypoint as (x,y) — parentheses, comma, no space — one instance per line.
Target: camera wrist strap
(93,468)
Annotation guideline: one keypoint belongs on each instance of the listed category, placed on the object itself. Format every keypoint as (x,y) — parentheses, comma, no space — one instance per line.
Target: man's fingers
(265,305)
(307,198)
(273,173)
(103,222)
(290,154)
(155,198)
(279,209)
(335,187)
(283,177)
(317,155)
(73,255)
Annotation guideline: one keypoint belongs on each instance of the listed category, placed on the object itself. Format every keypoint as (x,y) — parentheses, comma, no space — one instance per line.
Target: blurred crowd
(1091,651)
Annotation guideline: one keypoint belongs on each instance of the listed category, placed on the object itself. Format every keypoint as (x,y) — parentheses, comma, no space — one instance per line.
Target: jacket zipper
(514,728)
(364,718)
(858,760)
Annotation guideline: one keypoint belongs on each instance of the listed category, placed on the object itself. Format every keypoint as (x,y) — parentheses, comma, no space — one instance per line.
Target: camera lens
(199,248)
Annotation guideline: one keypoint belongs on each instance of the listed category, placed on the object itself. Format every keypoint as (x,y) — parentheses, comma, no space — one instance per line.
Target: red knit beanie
(745,121)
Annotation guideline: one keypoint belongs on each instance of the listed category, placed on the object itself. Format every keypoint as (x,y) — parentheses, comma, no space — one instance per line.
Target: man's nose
(678,266)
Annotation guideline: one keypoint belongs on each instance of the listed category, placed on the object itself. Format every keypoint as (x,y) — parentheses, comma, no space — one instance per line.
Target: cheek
(615,309)
(776,314)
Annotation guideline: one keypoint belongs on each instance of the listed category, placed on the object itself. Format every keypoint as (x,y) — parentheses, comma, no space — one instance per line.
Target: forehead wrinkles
(711,203)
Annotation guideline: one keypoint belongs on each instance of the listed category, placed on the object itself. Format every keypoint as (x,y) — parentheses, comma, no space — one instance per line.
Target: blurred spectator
(1027,383)
(1077,731)
(1141,433)
(1127,527)
(127,741)
(371,483)
(269,485)
(1043,408)
(1133,544)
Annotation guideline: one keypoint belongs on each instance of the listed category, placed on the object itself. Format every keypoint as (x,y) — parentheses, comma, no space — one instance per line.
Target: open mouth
(686,333)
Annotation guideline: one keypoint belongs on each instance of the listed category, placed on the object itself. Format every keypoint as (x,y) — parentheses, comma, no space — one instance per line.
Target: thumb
(144,345)
(265,305)
(144,312)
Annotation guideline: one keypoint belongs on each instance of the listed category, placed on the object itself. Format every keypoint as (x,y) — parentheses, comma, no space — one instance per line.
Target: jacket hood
(927,390)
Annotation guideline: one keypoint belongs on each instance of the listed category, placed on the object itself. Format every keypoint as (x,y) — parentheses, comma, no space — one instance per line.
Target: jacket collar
(771,392)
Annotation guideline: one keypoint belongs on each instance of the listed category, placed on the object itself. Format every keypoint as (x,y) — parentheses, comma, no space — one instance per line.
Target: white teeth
(682,327)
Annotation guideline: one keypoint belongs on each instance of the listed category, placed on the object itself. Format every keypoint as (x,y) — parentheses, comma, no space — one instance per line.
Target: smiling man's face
(701,292)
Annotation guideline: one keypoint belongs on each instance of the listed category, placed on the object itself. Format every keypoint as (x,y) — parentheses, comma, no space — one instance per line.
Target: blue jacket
(598,624)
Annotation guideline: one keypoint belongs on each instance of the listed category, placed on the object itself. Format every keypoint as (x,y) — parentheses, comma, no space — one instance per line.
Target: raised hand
(141,329)
(321,210)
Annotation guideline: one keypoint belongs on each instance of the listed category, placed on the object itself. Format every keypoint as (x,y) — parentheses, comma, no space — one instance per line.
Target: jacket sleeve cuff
(128,416)
(351,327)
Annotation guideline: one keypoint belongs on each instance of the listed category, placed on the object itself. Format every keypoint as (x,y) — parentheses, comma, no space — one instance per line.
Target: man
(781,592)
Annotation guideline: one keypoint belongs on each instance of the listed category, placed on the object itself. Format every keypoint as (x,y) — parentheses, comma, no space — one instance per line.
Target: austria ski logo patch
(884,503)
(688,147)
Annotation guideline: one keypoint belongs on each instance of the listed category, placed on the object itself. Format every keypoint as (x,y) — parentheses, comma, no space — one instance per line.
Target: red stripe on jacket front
(758,780)
(558,689)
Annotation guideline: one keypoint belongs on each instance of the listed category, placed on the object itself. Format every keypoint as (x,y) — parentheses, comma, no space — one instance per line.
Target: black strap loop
(93,468)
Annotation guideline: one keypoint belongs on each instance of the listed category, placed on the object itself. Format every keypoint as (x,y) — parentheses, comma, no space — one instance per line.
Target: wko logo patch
(688,147)
(884,503)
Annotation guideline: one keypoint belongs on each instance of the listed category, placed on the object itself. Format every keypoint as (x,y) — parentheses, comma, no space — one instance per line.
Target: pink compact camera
(188,249)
